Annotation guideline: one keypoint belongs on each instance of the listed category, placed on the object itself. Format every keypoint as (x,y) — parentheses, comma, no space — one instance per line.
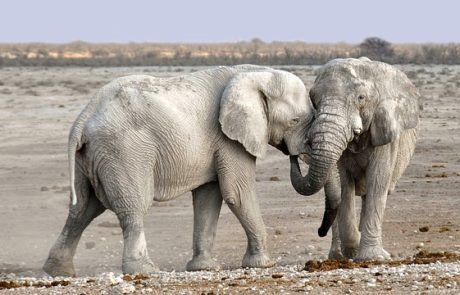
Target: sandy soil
(38,106)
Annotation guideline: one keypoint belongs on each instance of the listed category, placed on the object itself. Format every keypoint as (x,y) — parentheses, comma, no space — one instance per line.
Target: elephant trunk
(332,190)
(328,141)
(326,149)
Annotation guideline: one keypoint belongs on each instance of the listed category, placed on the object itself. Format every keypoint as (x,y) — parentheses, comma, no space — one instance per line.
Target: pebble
(90,245)
(123,288)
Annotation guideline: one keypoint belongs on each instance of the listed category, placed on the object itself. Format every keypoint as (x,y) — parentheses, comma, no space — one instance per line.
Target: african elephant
(143,139)
(365,124)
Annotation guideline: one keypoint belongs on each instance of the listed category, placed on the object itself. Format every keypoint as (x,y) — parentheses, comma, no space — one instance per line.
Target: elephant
(364,131)
(142,139)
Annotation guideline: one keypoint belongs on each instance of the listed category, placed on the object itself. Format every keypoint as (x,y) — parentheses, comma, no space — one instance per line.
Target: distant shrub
(376,48)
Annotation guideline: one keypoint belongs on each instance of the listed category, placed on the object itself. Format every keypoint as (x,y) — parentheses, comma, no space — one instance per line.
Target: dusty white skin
(143,139)
(367,114)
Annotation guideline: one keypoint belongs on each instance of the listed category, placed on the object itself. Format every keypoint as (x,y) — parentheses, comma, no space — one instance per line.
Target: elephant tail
(76,142)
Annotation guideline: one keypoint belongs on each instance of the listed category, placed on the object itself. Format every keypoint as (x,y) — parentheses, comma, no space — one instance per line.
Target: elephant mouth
(359,143)
(282,146)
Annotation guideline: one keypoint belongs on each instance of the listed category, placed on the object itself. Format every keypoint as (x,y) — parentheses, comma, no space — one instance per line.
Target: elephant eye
(361,97)
(294,121)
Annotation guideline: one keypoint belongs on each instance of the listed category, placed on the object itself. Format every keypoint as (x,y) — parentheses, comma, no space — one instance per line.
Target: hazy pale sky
(350,21)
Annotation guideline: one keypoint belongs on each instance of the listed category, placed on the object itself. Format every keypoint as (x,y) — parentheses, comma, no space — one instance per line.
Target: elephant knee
(232,201)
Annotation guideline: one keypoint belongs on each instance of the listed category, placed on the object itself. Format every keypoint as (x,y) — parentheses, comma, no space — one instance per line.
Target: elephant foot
(57,268)
(349,252)
(144,266)
(372,253)
(201,262)
(257,261)
(335,254)
(350,247)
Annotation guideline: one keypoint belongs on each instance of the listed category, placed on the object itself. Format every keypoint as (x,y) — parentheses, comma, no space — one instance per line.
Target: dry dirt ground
(38,106)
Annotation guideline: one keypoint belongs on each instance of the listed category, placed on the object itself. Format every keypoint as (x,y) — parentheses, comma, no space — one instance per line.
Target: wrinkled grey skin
(143,139)
(367,114)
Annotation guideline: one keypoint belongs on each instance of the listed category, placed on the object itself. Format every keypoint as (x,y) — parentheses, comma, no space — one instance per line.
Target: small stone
(424,229)
(275,178)
(90,245)
(277,275)
(124,288)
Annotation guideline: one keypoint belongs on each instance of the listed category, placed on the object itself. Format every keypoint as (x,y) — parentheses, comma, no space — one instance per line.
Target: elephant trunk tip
(322,232)
(328,220)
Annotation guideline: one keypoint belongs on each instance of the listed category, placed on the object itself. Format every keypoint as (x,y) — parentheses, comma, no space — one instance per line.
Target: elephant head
(265,106)
(358,103)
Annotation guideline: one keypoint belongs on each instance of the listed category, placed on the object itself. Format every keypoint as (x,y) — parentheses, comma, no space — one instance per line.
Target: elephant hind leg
(207,202)
(135,254)
(128,191)
(59,262)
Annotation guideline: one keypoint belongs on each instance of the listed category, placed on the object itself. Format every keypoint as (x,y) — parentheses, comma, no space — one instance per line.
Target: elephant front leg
(378,182)
(238,186)
(248,213)
(371,245)
(346,219)
(335,252)
(135,254)
(207,202)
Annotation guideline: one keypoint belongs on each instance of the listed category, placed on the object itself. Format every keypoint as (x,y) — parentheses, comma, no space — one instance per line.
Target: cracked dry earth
(37,108)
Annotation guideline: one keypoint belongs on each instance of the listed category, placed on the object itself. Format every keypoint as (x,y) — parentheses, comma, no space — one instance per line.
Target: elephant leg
(346,219)
(238,188)
(332,190)
(248,213)
(128,189)
(335,252)
(59,262)
(135,254)
(363,206)
(378,182)
(207,202)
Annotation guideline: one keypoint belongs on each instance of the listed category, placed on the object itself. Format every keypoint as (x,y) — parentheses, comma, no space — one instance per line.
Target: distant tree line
(256,52)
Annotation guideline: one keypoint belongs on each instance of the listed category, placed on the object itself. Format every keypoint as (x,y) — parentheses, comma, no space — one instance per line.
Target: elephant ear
(244,109)
(398,109)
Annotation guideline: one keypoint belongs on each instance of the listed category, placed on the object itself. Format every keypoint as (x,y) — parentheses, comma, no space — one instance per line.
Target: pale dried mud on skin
(37,108)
